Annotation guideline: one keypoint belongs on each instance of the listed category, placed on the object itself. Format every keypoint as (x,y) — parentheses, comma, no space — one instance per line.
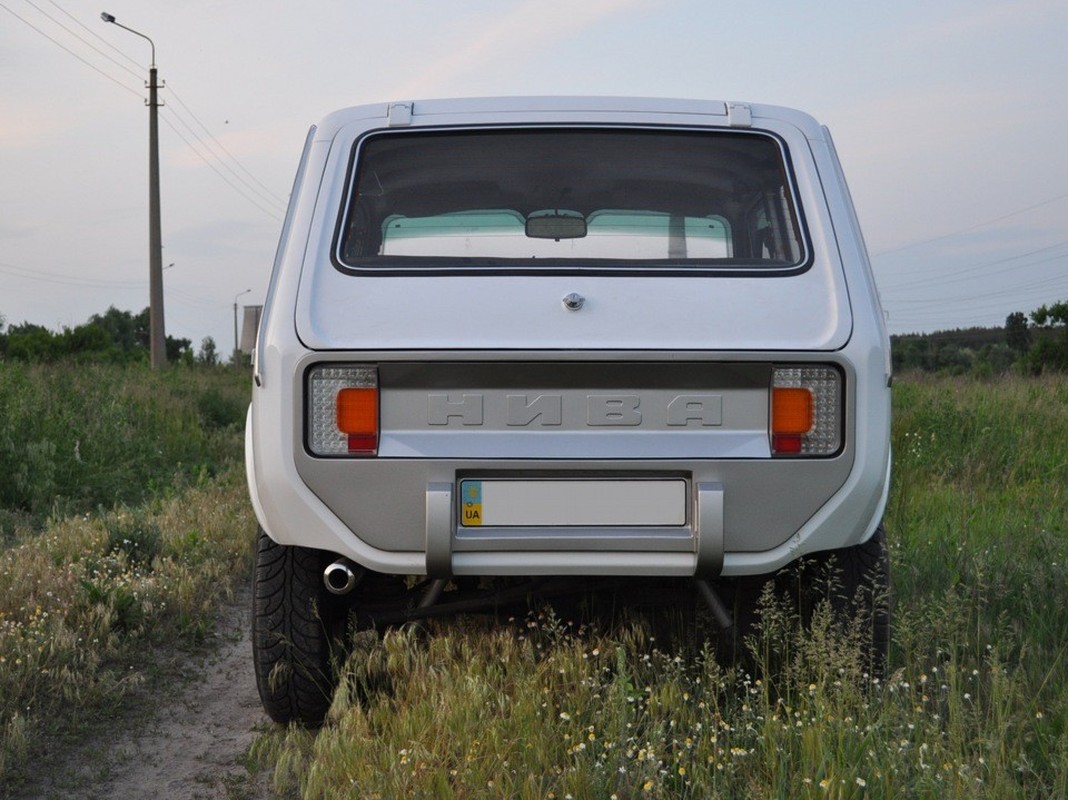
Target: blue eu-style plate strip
(470,503)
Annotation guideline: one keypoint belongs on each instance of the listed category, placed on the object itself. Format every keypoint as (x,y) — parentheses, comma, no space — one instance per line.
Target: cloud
(531,26)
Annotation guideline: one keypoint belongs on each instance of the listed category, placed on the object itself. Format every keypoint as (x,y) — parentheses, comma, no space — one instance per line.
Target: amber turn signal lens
(791,411)
(357,417)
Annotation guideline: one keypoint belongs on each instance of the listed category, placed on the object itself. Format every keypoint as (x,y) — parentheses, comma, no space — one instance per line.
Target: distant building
(249,327)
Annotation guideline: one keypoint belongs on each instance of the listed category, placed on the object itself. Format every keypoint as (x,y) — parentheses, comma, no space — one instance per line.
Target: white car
(558,337)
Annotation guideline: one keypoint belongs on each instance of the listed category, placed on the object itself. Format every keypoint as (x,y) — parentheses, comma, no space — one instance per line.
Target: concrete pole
(158,349)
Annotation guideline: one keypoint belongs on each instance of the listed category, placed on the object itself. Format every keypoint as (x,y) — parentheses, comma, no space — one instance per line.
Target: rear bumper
(431,541)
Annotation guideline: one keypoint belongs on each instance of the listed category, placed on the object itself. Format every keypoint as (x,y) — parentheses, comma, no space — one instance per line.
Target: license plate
(572,503)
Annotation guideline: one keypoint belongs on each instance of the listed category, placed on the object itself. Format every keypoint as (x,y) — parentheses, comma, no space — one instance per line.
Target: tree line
(1031,344)
(114,337)
(1028,343)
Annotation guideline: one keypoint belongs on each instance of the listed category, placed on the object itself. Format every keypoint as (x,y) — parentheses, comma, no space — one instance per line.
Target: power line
(966,273)
(84,41)
(973,311)
(271,213)
(68,280)
(264,194)
(222,147)
(970,297)
(261,194)
(970,228)
(178,295)
(96,35)
(1043,283)
(71,52)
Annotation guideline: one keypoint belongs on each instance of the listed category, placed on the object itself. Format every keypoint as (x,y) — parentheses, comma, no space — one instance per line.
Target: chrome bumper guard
(693,549)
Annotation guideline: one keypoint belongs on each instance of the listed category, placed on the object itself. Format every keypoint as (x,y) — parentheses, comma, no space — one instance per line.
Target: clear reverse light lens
(824,438)
(325,438)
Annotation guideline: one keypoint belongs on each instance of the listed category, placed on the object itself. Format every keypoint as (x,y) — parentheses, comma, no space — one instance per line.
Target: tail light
(806,411)
(342,410)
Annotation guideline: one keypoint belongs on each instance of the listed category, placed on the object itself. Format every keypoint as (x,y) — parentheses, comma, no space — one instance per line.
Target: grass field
(975,704)
(124,519)
(77,437)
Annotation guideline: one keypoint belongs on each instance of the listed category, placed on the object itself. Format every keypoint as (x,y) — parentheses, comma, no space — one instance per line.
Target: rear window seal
(488,267)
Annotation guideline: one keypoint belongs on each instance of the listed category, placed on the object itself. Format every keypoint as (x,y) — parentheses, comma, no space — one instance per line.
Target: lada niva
(568,337)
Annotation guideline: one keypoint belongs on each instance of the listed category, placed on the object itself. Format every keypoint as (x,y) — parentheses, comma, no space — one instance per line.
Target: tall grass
(82,603)
(975,704)
(77,436)
(123,522)
(979,511)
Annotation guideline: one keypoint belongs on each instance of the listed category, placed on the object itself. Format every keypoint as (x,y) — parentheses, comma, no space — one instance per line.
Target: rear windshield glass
(551,198)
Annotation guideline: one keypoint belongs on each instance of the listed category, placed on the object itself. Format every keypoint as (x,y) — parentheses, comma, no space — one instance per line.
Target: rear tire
(862,593)
(853,581)
(294,623)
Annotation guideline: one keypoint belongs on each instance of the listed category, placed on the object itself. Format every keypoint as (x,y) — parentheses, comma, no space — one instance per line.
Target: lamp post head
(111,18)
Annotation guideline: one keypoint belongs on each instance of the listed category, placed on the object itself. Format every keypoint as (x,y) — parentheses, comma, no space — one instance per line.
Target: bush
(79,437)
(137,538)
(221,410)
(114,337)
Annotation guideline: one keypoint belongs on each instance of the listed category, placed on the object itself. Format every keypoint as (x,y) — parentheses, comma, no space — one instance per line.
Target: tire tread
(290,633)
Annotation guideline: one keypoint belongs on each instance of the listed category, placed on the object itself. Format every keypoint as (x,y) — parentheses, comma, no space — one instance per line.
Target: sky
(949,117)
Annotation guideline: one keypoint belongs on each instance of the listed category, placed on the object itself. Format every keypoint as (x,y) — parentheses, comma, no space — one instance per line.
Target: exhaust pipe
(339,577)
(715,604)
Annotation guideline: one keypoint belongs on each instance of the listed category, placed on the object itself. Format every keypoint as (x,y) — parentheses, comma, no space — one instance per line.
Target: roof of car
(542,109)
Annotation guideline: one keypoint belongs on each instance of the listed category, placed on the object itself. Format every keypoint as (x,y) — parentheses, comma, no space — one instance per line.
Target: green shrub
(221,410)
(137,538)
(74,437)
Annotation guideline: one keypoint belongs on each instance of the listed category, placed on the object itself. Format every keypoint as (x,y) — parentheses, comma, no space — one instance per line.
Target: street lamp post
(157,336)
(242,294)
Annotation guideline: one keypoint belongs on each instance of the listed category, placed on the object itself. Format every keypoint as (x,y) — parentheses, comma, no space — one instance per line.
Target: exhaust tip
(339,577)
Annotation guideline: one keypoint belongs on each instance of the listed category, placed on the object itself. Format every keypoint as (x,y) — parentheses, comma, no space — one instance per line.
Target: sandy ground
(192,746)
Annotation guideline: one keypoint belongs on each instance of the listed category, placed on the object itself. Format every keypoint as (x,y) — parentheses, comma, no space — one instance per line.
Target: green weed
(77,436)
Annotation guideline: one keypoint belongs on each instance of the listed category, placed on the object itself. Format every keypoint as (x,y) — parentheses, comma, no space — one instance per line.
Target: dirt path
(193,747)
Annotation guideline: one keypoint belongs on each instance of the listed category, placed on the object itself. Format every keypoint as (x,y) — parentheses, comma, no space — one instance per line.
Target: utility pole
(157,336)
(158,347)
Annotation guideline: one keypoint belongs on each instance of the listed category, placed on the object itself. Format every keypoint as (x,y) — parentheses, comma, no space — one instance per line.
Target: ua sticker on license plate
(572,503)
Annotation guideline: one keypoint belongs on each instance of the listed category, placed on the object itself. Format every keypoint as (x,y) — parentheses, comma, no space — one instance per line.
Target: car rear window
(563,199)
